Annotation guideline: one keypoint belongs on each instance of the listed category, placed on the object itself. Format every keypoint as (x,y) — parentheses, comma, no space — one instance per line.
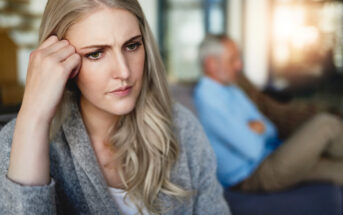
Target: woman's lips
(121,91)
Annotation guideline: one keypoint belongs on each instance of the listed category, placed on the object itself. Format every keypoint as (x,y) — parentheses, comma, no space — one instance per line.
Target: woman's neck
(98,122)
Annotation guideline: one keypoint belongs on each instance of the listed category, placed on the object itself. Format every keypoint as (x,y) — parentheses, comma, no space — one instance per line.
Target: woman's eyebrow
(133,38)
(106,46)
(95,46)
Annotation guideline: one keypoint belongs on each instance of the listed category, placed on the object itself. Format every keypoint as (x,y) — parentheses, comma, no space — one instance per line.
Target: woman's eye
(133,46)
(94,55)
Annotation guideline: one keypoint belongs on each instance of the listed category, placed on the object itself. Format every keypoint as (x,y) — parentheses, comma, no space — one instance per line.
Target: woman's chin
(122,109)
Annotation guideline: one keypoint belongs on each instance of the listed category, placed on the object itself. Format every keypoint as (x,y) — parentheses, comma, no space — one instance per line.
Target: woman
(116,145)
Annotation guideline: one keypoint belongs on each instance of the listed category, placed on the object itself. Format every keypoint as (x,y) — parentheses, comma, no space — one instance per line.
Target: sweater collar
(92,181)
(88,171)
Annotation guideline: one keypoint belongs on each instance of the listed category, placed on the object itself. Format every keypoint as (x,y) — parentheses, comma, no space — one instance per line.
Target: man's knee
(265,179)
(327,121)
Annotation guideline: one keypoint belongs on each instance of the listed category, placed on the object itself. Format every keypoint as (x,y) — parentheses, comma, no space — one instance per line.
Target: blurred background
(291,49)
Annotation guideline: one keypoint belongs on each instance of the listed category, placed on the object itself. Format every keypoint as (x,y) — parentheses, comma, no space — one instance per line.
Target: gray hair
(212,45)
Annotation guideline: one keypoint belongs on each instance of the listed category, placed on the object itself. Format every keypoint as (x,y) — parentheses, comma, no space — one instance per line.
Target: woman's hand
(49,68)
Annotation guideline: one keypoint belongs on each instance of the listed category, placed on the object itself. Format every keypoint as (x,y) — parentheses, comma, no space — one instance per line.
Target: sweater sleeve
(18,199)
(209,198)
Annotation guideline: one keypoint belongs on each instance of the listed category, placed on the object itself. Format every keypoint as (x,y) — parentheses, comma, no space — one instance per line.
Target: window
(183,26)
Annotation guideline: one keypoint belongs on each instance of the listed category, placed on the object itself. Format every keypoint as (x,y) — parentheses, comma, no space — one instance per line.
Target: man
(249,153)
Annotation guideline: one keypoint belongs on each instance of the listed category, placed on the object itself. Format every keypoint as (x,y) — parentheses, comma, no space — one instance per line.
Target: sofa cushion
(305,199)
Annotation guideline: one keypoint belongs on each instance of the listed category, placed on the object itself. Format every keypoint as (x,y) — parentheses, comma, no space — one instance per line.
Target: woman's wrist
(33,115)
(29,159)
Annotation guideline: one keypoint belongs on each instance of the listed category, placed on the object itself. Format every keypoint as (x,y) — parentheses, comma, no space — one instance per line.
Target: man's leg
(327,170)
(297,158)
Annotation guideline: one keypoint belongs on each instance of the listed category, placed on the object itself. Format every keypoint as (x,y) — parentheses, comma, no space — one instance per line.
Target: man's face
(229,64)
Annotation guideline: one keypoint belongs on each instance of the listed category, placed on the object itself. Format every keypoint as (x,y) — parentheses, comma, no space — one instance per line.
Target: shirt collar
(209,82)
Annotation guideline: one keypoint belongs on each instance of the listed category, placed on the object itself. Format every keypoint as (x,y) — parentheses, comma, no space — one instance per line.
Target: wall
(248,26)
(150,8)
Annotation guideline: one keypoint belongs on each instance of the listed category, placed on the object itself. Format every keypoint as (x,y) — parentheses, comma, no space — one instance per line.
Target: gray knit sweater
(78,186)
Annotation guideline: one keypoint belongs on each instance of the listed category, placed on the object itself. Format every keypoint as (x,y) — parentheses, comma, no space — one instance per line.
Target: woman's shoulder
(6,136)
(197,163)
(189,131)
(184,118)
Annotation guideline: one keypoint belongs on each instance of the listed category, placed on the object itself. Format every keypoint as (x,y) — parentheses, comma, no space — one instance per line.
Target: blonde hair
(145,145)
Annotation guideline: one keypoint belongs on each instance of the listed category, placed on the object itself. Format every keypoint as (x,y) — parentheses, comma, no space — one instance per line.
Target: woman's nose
(120,69)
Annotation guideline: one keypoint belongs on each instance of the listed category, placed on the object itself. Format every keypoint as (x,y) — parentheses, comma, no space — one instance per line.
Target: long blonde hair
(145,146)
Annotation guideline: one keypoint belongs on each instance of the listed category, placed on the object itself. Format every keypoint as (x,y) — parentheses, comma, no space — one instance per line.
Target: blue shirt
(225,112)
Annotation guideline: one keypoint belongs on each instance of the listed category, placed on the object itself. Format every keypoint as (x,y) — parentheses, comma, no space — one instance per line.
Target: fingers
(48,42)
(52,51)
(75,71)
(56,47)
(72,64)
(64,53)
(59,50)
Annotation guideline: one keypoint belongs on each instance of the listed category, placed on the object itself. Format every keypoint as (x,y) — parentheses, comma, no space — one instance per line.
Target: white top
(126,206)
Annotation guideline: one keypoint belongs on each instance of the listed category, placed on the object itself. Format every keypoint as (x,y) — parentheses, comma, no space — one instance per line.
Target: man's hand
(257,126)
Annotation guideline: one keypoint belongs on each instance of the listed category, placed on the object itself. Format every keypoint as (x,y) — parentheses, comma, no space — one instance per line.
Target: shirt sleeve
(270,135)
(230,130)
(18,199)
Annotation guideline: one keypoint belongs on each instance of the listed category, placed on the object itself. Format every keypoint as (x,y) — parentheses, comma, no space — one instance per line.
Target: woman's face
(111,47)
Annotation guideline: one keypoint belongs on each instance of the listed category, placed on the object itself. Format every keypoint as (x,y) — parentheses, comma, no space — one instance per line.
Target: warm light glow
(287,20)
(292,34)
(305,36)
(281,54)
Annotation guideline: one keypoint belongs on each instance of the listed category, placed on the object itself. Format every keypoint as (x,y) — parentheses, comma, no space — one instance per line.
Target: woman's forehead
(106,25)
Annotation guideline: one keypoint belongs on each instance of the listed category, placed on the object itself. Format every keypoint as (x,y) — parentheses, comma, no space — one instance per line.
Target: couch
(305,199)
